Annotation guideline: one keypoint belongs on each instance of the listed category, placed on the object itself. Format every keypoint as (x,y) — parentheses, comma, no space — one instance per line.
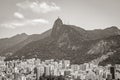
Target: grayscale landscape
(59,40)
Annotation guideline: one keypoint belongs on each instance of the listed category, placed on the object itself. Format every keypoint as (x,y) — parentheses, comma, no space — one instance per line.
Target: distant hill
(11,50)
(72,42)
(103,33)
(9,42)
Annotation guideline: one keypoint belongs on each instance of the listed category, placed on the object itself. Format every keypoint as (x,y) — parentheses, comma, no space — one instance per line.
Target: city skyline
(37,16)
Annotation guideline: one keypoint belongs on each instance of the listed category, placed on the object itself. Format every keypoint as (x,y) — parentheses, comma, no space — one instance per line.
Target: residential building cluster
(36,69)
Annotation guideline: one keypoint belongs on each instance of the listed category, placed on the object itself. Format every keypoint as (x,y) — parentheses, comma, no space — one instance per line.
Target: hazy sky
(37,16)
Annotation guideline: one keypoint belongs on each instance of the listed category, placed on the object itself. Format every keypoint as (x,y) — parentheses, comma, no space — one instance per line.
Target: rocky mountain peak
(24,34)
(20,35)
(56,27)
(112,28)
(58,21)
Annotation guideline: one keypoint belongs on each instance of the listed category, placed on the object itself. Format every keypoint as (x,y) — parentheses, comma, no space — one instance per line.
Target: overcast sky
(37,16)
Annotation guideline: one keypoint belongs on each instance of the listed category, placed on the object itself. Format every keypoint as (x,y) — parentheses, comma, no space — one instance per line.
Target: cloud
(39,7)
(18,15)
(12,25)
(16,23)
(40,20)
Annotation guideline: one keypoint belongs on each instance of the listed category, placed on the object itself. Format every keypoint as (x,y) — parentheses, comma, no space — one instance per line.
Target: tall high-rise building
(112,71)
(47,70)
(38,73)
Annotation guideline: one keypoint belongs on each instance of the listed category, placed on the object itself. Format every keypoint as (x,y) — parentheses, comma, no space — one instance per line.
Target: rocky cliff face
(56,28)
